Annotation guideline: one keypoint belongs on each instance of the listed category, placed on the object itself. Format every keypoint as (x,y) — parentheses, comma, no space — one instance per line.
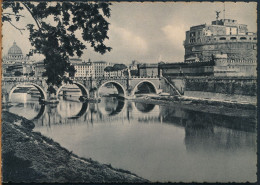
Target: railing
(78,78)
(22,78)
(115,77)
(144,77)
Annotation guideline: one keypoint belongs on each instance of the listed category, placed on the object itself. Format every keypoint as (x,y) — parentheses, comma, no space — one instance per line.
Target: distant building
(148,70)
(99,67)
(118,73)
(83,68)
(39,68)
(223,48)
(223,36)
(220,65)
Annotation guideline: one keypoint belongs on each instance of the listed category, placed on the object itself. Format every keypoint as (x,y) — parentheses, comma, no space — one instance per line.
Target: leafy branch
(56,36)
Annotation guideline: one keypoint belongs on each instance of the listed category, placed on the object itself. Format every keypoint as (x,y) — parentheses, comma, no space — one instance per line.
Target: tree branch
(36,20)
(20,29)
(17,15)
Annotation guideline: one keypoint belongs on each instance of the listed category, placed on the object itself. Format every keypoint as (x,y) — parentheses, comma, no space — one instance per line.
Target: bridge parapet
(146,77)
(22,79)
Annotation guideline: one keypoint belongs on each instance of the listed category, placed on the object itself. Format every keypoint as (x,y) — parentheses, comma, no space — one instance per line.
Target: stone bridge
(90,87)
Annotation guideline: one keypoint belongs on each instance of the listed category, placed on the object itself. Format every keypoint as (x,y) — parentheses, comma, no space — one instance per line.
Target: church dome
(15,52)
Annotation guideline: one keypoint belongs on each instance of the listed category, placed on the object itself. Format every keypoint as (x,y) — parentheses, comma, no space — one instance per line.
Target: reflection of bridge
(126,87)
(91,113)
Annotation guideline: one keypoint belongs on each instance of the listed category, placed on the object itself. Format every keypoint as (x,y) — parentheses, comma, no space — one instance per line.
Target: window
(233,38)
(222,38)
(242,38)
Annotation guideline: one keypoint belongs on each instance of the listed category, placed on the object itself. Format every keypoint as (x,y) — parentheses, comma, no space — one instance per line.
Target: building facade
(83,68)
(119,73)
(223,36)
(99,67)
(220,65)
(148,70)
(39,68)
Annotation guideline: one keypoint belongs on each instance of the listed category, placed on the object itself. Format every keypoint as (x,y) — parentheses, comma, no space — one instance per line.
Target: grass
(31,157)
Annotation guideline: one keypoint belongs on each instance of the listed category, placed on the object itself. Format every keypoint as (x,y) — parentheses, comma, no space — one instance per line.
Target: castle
(221,36)
(222,48)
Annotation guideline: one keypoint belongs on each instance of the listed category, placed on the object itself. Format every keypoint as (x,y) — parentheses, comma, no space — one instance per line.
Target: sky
(147,32)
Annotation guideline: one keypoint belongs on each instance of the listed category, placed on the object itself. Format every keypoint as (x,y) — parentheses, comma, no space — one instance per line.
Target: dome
(15,50)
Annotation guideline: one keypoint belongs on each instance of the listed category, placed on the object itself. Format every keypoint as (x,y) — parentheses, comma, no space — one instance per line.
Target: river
(159,143)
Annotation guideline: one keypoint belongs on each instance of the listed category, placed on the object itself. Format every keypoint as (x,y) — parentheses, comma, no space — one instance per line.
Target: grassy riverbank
(31,157)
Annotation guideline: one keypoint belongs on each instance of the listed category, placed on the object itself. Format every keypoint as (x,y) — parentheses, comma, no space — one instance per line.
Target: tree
(32,73)
(18,73)
(55,31)
(109,69)
(119,67)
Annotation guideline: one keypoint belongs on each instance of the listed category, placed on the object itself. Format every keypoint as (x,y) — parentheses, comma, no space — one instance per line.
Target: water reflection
(111,106)
(160,143)
(142,107)
(72,109)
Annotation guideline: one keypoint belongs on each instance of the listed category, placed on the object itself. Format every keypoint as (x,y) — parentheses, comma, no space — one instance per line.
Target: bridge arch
(120,88)
(83,89)
(150,84)
(111,109)
(39,88)
(83,109)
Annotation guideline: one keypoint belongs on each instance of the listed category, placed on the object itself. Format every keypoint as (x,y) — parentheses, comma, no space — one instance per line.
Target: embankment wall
(246,86)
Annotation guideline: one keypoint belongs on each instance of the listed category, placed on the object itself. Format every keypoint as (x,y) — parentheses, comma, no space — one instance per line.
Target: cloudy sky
(148,32)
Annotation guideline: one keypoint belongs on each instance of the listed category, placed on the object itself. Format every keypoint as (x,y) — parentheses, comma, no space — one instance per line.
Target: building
(222,48)
(118,73)
(83,68)
(99,67)
(148,70)
(39,68)
(220,65)
(223,36)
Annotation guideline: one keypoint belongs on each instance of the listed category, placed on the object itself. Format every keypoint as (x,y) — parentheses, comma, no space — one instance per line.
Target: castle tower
(221,36)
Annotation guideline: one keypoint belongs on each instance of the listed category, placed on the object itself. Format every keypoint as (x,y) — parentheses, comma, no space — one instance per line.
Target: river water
(159,143)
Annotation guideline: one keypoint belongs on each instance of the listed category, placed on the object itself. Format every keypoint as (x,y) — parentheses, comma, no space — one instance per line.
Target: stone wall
(224,85)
